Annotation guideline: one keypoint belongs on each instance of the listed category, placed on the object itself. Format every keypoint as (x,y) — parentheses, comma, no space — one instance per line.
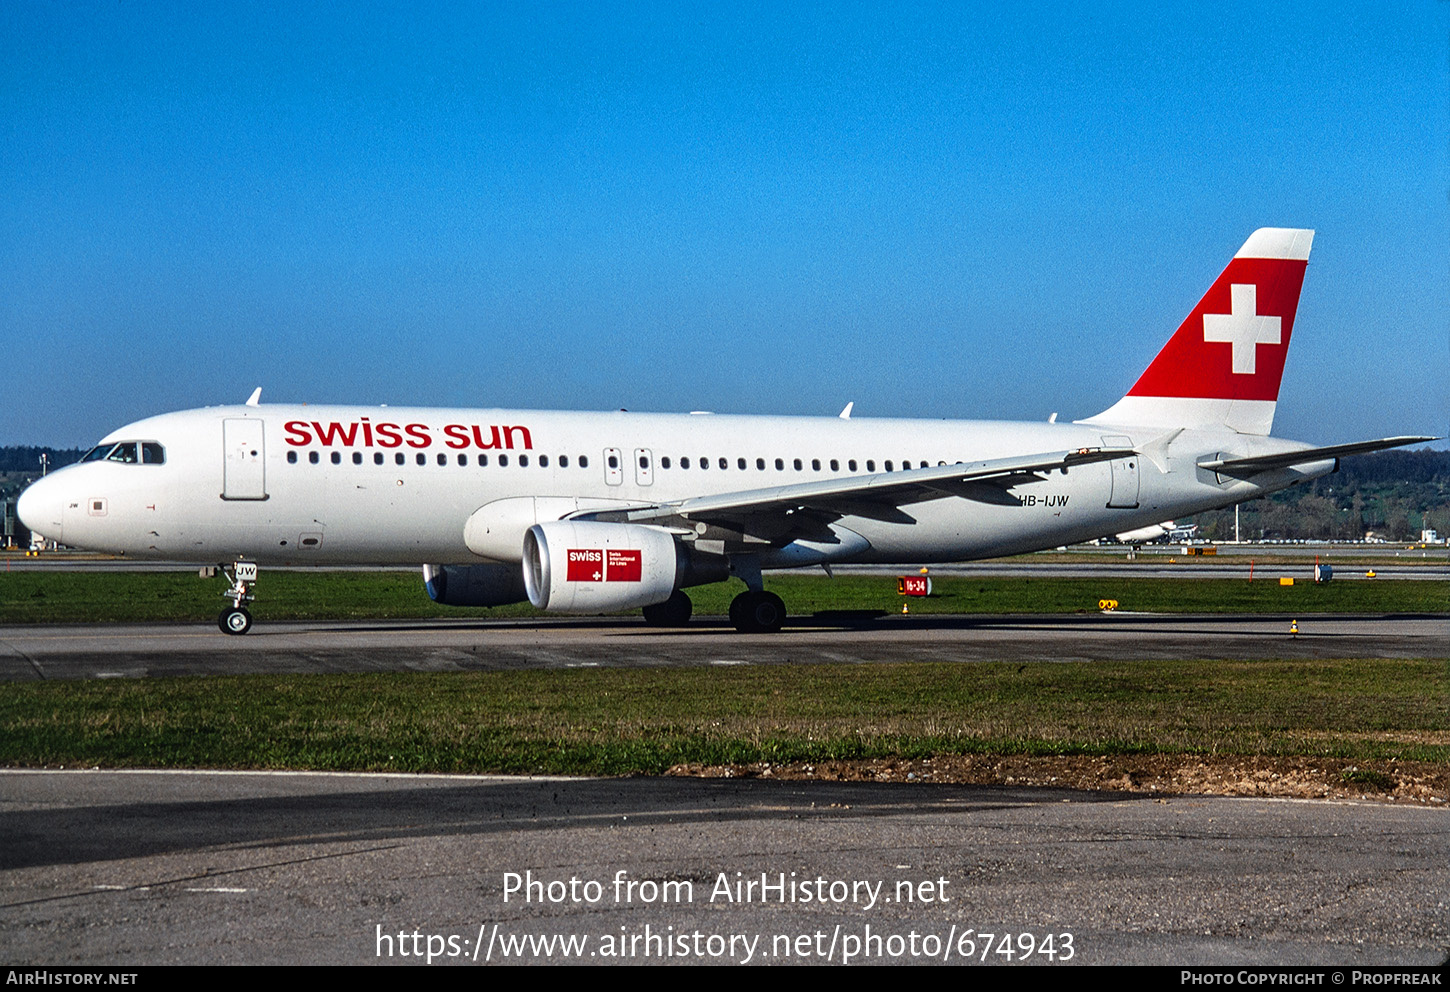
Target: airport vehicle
(600,512)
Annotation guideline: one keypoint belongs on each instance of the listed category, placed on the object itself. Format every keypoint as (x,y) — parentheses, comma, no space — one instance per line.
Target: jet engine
(585,566)
(474,585)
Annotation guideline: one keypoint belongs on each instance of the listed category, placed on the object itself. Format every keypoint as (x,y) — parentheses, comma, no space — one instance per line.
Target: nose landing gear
(235,619)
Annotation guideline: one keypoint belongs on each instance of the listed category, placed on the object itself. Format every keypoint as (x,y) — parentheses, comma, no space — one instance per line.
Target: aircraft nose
(40,506)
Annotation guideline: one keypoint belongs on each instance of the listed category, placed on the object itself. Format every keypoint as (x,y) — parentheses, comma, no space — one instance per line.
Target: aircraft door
(644,472)
(243,472)
(613,466)
(1124,493)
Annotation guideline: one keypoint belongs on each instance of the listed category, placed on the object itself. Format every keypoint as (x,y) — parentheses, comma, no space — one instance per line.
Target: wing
(804,509)
(1243,467)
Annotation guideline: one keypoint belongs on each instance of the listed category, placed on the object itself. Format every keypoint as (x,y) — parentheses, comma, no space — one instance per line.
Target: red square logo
(585,565)
(624,566)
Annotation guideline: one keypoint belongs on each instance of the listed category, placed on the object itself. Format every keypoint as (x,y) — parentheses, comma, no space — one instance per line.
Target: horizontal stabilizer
(1263,463)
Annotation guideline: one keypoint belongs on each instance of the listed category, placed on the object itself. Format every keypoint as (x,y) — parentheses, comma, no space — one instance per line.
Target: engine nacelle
(475,585)
(584,566)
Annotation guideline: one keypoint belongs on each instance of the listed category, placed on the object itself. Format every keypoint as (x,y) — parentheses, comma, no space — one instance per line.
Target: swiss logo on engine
(594,565)
(624,566)
(585,565)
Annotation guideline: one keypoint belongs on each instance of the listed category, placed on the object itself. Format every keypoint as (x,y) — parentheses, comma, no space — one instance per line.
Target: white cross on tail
(1243,328)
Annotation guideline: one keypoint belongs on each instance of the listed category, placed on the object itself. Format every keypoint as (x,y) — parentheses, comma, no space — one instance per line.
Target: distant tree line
(25,458)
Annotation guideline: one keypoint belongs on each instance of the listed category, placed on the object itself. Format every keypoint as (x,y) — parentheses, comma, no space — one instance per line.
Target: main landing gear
(754,611)
(235,619)
(673,612)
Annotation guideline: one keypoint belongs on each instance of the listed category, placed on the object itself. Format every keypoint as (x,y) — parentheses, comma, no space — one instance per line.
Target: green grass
(620,721)
(76,597)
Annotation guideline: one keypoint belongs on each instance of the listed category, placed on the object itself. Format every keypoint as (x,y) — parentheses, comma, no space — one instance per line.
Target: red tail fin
(1223,365)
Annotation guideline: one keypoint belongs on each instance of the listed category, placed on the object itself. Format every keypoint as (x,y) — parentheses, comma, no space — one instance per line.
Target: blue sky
(931,210)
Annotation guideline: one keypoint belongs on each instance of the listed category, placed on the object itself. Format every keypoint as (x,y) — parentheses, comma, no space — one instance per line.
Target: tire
(673,612)
(757,613)
(235,621)
(737,611)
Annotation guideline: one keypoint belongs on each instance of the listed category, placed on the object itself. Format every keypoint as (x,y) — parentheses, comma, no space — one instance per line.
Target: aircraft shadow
(109,832)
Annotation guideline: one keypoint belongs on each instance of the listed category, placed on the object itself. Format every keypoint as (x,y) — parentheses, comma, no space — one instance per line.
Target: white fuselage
(292,484)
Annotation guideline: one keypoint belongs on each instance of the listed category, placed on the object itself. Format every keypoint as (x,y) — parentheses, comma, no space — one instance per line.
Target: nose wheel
(235,619)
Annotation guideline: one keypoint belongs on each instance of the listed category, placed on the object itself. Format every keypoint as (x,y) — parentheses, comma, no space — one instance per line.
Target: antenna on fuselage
(256,397)
(846,413)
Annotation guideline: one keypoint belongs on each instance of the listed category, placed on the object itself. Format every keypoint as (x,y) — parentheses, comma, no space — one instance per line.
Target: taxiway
(107,868)
(71,651)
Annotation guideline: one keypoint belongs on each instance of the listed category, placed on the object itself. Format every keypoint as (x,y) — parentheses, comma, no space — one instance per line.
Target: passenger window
(724,464)
(442,459)
(482,461)
(704,463)
(312,457)
(851,465)
(291,458)
(398,458)
(835,465)
(665,462)
(760,464)
(503,461)
(153,454)
(779,465)
(797,464)
(888,465)
(740,464)
(583,461)
(463,459)
(815,464)
(564,461)
(377,457)
(357,457)
(685,462)
(644,461)
(870,464)
(523,461)
(337,458)
(422,458)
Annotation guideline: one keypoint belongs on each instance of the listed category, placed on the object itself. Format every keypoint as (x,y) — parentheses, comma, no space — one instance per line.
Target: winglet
(256,398)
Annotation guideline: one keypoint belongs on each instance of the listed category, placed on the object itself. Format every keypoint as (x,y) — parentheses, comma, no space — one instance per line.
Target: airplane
(1167,530)
(589,512)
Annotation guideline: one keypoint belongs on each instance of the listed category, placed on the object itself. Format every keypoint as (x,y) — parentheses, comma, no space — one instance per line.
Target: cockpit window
(128,453)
